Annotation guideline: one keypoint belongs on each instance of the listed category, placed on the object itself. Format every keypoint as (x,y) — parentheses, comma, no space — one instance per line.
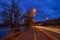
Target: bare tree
(28,19)
(12,14)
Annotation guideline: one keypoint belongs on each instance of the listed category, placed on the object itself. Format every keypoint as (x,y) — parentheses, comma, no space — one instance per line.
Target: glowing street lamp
(33,12)
(46,18)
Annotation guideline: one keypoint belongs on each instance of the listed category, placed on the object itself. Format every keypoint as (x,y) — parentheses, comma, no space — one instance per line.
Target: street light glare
(47,18)
(34,10)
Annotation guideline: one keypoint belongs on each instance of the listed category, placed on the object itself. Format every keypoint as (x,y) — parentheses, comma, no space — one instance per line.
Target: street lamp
(46,18)
(33,12)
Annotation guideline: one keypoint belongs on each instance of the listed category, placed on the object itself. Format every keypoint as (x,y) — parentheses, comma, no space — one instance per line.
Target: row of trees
(13,16)
(52,22)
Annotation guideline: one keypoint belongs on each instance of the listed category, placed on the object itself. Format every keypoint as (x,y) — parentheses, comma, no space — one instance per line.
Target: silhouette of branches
(11,14)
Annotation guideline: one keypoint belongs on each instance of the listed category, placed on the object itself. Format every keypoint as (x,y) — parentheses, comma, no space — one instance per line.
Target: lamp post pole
(47,20)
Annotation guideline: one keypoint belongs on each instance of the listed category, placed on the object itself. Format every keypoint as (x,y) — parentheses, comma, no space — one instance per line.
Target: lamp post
(46,20)
(33,12)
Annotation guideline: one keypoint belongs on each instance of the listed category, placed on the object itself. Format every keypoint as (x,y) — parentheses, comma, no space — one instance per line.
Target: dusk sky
(45,8)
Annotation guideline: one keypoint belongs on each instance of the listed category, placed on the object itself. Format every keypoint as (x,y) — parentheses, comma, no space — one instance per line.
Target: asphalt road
(39,33)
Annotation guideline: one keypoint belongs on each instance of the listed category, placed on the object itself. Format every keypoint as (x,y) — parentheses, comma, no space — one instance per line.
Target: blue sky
(45,8)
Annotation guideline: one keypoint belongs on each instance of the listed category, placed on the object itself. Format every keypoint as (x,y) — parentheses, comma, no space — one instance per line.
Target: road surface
(39,33)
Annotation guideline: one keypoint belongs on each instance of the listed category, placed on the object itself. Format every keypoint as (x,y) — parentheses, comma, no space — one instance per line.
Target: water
(5,30)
